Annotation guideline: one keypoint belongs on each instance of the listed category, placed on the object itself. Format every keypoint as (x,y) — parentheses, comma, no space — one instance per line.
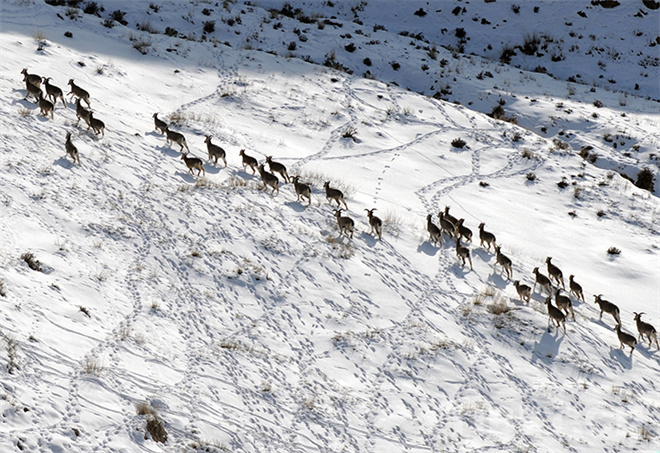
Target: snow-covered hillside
(241,321)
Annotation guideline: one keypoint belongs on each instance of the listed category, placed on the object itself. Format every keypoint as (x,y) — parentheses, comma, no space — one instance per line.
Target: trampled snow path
(247,323)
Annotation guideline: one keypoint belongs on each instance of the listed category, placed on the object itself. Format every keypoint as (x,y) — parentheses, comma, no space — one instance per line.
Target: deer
(276,167)
(463,253)
(607,307)
(375,223)
(302,190)
(345,224)
(160,125)
(269,179)
(32,90)
(334,194)
(647,329)
(193,163)
(625,339)
(53,92)
(485,236)
(78,92)
(554,272)
(82,112)
(434,232)
(46,106)
(462,231)
(71,149)
(215,151)
(542,280)
(555,314)
(96,124)
(449,217)
(446,226)
(564,303)
(524,291)
(503,261)
(575,288)
(248,161)
(31,78)
(176,137)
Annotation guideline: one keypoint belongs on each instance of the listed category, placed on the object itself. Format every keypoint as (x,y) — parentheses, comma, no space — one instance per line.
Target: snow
(243,320)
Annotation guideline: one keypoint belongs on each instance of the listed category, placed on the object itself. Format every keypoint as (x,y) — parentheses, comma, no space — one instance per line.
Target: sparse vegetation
(613,251)
(349,132)
(32,262)
(458,143)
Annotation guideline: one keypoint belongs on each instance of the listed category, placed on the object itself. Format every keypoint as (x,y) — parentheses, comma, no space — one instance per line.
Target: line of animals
(33,87)
(303,191)
(448,224)
(455,228)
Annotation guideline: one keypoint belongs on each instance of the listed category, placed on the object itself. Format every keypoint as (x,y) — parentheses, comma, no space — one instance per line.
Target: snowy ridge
(243,320)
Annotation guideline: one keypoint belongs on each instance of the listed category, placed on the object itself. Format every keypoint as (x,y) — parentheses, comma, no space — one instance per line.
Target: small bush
(458,143)
(3,290)
(350,48)
(563,184)
(395,65)
(651,4)
(156,429)
(118,15)
(206,12)
(31,261)
(613,251)
(171,31)
(68,34)
(645,179)
(531,43)
(598,104)
(349,132)
(531,176)
(367,61)
(420,12)
(92,8)
(507,53)
(209,26)
(292,46)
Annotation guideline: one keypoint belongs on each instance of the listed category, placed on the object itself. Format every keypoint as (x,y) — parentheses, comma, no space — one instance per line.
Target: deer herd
(447,224)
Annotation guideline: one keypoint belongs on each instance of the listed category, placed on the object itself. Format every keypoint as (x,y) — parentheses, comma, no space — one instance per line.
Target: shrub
(605,3)
(118,16)
(563,184)
(645,179)
(458,143)
(507,53)
(420,12)
(206,12)
(209,26)
(367,61)
(156,429)
(613,251)
(350,48)
(349,132)
(651,4)
(531,44)
(91,8)
(395,65)
(292,46)
(31,261)
(598,104)
(531,176)
(171,31)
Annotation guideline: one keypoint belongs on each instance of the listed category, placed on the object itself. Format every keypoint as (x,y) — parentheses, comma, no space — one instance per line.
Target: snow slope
(243,320)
